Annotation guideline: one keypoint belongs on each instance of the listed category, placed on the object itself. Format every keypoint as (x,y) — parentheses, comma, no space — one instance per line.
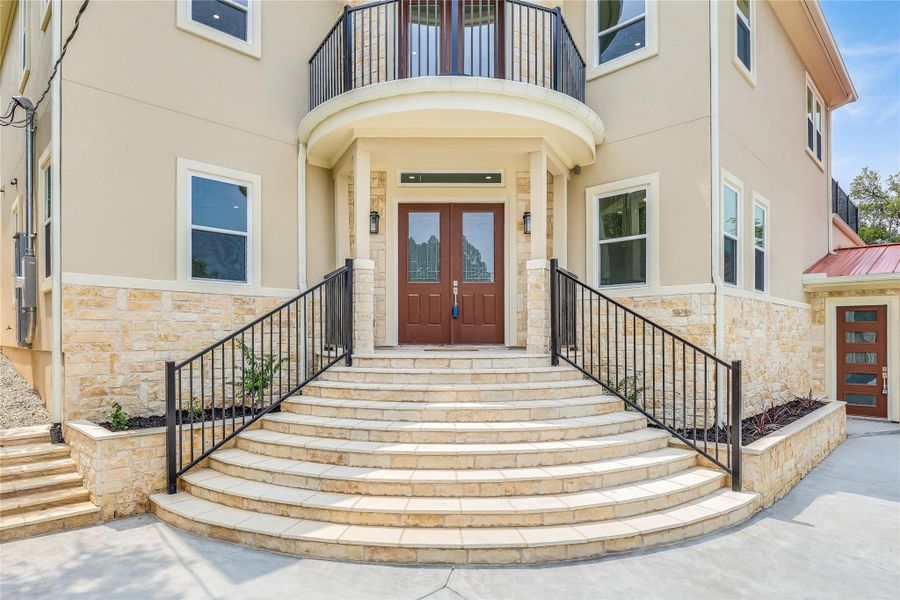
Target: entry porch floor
(836,535)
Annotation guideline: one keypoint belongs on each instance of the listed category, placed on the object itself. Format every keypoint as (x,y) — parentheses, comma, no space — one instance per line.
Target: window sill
(617,64)
(814,158)
(748,75)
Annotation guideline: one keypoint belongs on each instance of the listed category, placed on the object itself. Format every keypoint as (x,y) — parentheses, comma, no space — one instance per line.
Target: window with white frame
(760,244)
(232,23)
(621,28)
(622,240)
(744,45)
(46,215)
(730,228)
(220,225)
(24,46)
(814,122)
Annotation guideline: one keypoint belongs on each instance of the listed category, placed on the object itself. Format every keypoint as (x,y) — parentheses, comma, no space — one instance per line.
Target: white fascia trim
(761,297)
(185,167)
(251,47)
(650,181)
(650,49)
(171,285)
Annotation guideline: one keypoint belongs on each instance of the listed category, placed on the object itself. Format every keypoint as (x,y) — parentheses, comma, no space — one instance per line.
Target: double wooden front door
(862,359)
(450,274)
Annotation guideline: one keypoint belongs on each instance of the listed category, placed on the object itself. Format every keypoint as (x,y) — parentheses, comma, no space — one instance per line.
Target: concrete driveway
(836,535)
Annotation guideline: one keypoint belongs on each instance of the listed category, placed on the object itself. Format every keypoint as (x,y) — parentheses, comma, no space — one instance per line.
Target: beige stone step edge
(57,518)
(39,482)
(450,376)
(489,392)
(17,436)
(37,468)
(516,410)
(397,511)
(450,360)
(453,545)
(38,500)
(16,455)
(449,456)
(447,483)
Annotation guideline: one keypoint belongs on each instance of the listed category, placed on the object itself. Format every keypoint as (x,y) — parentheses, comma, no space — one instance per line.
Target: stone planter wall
(121,468)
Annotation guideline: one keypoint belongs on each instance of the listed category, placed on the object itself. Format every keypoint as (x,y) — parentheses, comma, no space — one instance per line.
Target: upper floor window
(24,45)
(744,38)
(730,233)
(814,122)
(46,192)
(621,28)
(623,238)
(232,23)
(760,246)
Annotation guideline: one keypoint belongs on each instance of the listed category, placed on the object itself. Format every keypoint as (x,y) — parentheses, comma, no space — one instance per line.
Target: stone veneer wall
(523,248)
(115,342)
(773,342)
(377,246)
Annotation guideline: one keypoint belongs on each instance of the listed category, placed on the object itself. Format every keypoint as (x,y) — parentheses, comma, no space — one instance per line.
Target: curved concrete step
(488,358)
(461,392)
(399,511)
(450,376)
(42,482)
(452,483)
(453,545)
(444,432)
(16,455)
(56,518)
(449,456)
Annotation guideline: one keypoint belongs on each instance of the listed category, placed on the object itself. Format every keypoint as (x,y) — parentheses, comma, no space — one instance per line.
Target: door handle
(884,381)
(454,312)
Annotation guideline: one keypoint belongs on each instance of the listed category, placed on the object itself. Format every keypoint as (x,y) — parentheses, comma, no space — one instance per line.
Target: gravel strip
(20,405)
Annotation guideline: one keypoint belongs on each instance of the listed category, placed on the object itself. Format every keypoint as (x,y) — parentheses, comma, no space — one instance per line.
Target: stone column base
(363,306)
(537,303)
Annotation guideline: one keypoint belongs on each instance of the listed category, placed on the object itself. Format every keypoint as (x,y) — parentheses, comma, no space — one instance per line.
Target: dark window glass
(623,215)
(227,17)
(730,270)
(861,358)
(47,251)
(810,133)
(861,337)
(856,316)
(449,178)
(423,261)
(860,399)
(743,42)
(623,263)
(478,38)
(478,247)
(622,41)
(218,204)
(759,277)
(218,256)
(861,378)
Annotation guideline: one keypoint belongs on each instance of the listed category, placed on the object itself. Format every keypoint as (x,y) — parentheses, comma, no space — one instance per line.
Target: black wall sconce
(526,223)
(374,219)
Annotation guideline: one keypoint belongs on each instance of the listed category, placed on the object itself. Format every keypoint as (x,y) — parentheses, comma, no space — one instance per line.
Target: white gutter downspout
(828,187)
(301,217)
(56,358)
(714,187)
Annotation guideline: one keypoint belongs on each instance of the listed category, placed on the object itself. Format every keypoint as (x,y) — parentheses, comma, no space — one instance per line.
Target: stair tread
(640,491)
(18,503)
(39,481)
(243,458)
(30,469)
(462,427)
(491,353)
(452,387)
(448,370)
(482,405)
(211,513)
(392,448)
(17,435)
(52,513)
(33,451)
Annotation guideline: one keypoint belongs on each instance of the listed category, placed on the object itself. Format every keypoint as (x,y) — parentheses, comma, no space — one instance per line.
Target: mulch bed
(209,415)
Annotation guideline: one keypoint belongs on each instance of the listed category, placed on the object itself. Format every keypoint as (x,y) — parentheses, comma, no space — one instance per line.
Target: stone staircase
(420,456)
(40,491)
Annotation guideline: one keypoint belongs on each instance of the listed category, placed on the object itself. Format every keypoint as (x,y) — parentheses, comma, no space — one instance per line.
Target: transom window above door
(622,243)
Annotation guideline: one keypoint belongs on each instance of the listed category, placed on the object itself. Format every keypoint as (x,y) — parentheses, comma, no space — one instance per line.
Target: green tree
(879,206)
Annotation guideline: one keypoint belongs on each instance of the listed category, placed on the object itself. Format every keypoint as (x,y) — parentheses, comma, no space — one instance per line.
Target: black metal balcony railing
(397,39)
(843,206)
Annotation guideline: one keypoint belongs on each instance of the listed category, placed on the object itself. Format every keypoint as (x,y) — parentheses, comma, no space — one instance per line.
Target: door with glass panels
(450,274)
(862,359)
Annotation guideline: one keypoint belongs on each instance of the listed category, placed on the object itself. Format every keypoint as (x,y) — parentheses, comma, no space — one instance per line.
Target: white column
(362,170)
(363,265)
(560,218)
(538,178)
(341,219)
(301,217)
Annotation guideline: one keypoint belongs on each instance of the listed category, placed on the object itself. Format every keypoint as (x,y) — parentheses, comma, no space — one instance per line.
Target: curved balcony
(399,39)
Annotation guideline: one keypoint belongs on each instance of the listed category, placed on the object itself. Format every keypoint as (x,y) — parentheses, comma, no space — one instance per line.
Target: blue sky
(867,132)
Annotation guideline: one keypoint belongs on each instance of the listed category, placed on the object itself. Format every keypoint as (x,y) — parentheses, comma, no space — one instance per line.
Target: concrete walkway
(836,535)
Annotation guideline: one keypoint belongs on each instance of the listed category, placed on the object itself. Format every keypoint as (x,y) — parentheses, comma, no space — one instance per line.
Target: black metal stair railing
(389,40)
(676,384)
(220,391)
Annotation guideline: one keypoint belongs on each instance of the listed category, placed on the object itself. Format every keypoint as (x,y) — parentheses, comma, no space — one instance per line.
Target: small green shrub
(118,419)
(259,371)
(195,411)
(631,386)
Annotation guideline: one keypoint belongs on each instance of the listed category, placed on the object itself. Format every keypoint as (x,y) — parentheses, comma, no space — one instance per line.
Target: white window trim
(763,203)
(650,49)
(46,11)
(817,97)
(44,165)
(592,196)
(251,47)
(24,41)
(748,74)
(187,168)
(729,180)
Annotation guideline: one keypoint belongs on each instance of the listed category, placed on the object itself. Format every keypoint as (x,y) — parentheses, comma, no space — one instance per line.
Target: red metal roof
(883,259)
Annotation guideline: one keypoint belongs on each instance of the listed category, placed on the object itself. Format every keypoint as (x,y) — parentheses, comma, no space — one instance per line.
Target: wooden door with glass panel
(862,368)
(476,232)
(424,274)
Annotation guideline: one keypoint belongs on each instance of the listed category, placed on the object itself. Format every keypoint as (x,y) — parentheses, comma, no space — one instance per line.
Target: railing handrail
(334,317)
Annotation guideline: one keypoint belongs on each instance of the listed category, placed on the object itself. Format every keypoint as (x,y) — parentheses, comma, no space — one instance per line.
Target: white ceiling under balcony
(452,107)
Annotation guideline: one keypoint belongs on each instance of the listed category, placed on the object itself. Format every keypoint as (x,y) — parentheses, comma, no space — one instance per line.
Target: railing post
(557,48)
(554,312)
(348,314)
(736,405)
(170,426)
(348,48)
(455,7)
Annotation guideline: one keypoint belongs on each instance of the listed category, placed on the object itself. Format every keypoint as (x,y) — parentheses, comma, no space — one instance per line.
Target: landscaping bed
(184,417)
